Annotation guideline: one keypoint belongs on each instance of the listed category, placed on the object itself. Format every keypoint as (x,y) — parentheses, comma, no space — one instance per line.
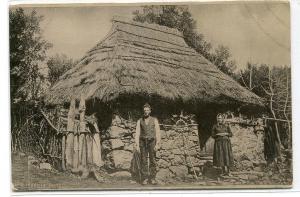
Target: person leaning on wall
(222,155)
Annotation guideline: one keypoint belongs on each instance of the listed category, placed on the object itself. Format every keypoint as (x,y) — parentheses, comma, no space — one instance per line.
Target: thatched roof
(147,59)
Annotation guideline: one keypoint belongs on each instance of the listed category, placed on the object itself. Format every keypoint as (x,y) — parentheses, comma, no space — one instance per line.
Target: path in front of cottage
(26,177)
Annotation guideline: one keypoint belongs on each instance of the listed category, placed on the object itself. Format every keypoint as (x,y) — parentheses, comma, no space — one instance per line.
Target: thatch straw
(136,58)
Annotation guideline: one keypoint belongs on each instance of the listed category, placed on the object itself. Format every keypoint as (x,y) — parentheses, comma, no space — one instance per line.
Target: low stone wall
(247,148)
(178,157)
(179,154)
(117,147)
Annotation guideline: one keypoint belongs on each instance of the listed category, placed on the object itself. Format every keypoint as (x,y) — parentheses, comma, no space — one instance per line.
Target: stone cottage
(137,63)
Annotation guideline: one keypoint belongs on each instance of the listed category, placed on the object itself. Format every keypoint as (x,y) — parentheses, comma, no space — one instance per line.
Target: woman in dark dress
(222,156)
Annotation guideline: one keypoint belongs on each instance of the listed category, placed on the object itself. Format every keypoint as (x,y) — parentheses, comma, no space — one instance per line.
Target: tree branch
(49,122)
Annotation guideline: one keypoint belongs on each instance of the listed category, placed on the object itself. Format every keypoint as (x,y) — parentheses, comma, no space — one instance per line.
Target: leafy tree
(58,65)
(222,58)
(27,79)
(27,52)
(180,18)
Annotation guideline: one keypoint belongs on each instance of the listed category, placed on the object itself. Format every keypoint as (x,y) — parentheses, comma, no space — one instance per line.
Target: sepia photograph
(160,96)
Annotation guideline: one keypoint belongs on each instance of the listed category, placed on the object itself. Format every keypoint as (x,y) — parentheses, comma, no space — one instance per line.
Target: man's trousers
(147,150)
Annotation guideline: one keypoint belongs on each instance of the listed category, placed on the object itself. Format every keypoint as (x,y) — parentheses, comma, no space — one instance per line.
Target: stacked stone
(179,156)
(247,148)
(118,147)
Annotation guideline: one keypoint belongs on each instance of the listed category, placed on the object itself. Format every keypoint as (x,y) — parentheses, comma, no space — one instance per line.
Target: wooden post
(84,152)
(76,152)
(96,147)
(63,141)
(82,131)
(70,135)
(97,150)
(89,143)
(63,152)
(82,114)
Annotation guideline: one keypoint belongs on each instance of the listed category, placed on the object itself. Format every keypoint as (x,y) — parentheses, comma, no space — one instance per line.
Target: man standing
(147,141)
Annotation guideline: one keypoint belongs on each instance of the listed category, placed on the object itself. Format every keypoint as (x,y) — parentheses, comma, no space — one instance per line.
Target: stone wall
(178,157)
(179,154)
(247,148)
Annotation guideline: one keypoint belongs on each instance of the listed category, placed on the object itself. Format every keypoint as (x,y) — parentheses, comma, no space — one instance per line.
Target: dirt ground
(26,177)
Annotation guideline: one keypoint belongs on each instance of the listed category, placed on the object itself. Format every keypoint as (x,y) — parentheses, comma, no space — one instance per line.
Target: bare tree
(271,95)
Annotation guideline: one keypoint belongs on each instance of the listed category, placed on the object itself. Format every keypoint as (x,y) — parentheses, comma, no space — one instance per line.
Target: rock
(194,161)
(252,177)
(164,175)
(245,144)
(244,157)
(164,154)
(84,173)
(178,142)
(177,160)
(121,159)
(121,174)
(163,134)
(243,176)
(179,171)
(163,163)
(276,177)
(193,138)
(168,145)
(192,152)
(116,143)
(247,164)
(158,154)
(33,162)
(177,151)
(45,166)
(171,133)
(258,169)
(129,147)
(117,132)
(106,145)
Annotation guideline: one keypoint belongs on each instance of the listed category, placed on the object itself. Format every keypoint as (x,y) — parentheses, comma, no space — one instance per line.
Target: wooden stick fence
(79,148)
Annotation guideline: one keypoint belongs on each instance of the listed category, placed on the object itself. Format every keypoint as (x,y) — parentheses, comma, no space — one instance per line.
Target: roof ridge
(152,26)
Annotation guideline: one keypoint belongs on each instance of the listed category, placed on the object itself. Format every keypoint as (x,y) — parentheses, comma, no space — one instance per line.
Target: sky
(255,32)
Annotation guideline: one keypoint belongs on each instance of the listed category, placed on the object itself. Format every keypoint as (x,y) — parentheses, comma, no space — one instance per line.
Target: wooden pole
(63,152)
(82,131)
(89,143)
(69,150)
(84,152)
(70,135)
(97,150)
(76,152)
(96,147)
(63,142)
(82,115)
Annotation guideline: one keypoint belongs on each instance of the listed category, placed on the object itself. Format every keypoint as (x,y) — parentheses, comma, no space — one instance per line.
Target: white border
(15,2)
(5,138)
